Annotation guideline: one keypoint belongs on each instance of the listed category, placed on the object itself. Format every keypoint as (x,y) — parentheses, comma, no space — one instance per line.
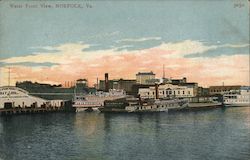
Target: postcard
(144,79)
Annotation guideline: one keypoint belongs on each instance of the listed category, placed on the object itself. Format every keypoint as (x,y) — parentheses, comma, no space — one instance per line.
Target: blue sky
(123,25)
(110,21)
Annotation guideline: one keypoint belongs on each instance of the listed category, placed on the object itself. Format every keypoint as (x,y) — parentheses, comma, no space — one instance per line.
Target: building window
(188,92)
(178,92)
(183,92)
(162,92)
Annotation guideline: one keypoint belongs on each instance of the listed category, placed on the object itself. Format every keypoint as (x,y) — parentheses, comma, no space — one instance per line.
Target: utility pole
(0,75)
(163,71)
(9,77)
(97,83)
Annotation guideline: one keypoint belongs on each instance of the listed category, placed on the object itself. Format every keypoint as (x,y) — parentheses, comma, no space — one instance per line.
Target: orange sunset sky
(58,45)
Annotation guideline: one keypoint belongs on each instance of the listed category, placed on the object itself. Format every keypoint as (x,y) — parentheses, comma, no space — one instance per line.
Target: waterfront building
(183,82)
(82,82)
(136,87)
(119,84)
(153,81)
(144,77)
(193,85)
(14,97)
(101,85)
(203,91)
(179,81)
(220,90)
(11,97)
(167,90)
(47,91)
(124,84)
(81,86)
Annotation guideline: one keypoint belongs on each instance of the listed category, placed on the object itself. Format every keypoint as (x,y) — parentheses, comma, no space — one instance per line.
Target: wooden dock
(13,111)
(66,107)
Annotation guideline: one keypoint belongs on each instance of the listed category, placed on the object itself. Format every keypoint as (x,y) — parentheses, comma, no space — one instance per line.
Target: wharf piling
(66,107)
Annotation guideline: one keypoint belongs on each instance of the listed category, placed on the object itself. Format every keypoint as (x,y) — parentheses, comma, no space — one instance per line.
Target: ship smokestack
(140,100)
(156,91)
(106,82)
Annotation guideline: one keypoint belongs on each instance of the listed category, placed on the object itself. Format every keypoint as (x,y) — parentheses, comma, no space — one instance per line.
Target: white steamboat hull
(154,108)
(237,104)
(81,108)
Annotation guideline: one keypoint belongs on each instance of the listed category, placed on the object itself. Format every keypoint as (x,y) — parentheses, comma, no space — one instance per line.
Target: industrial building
(220,90)
(124,84)
(144,77)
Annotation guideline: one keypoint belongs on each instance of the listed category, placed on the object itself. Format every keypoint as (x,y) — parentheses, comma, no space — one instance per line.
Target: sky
(205,41)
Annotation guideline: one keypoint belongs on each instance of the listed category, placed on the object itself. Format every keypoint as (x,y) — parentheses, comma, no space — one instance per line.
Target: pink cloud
(206,71)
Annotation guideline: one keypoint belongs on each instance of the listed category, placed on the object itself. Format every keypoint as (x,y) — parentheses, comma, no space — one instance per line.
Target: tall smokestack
(106,82)
(156,91)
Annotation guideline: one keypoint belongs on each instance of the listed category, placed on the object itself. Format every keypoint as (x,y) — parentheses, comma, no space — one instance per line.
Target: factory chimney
(106,82)
(156,91)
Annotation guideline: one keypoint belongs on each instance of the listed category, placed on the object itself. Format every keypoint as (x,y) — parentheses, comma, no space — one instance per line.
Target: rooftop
(225,86)
(145,73)
(82,80)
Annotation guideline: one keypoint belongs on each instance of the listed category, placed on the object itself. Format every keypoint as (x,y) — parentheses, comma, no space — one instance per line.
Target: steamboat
(237,98)
(132,104)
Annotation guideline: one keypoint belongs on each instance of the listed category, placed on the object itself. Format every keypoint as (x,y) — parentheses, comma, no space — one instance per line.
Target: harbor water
(211,134)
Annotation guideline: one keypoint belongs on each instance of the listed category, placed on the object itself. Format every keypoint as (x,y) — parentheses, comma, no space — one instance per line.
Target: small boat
(237,98)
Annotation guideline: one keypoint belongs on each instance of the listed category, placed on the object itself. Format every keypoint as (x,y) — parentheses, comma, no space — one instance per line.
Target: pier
(65,107)
(14,111)
(14,100)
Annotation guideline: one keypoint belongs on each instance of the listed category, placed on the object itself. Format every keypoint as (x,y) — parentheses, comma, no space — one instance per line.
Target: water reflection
(221,134)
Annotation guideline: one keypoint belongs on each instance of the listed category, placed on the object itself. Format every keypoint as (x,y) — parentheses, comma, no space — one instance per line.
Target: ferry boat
(137,105)
(237,98)
(157,105)
(91,102)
